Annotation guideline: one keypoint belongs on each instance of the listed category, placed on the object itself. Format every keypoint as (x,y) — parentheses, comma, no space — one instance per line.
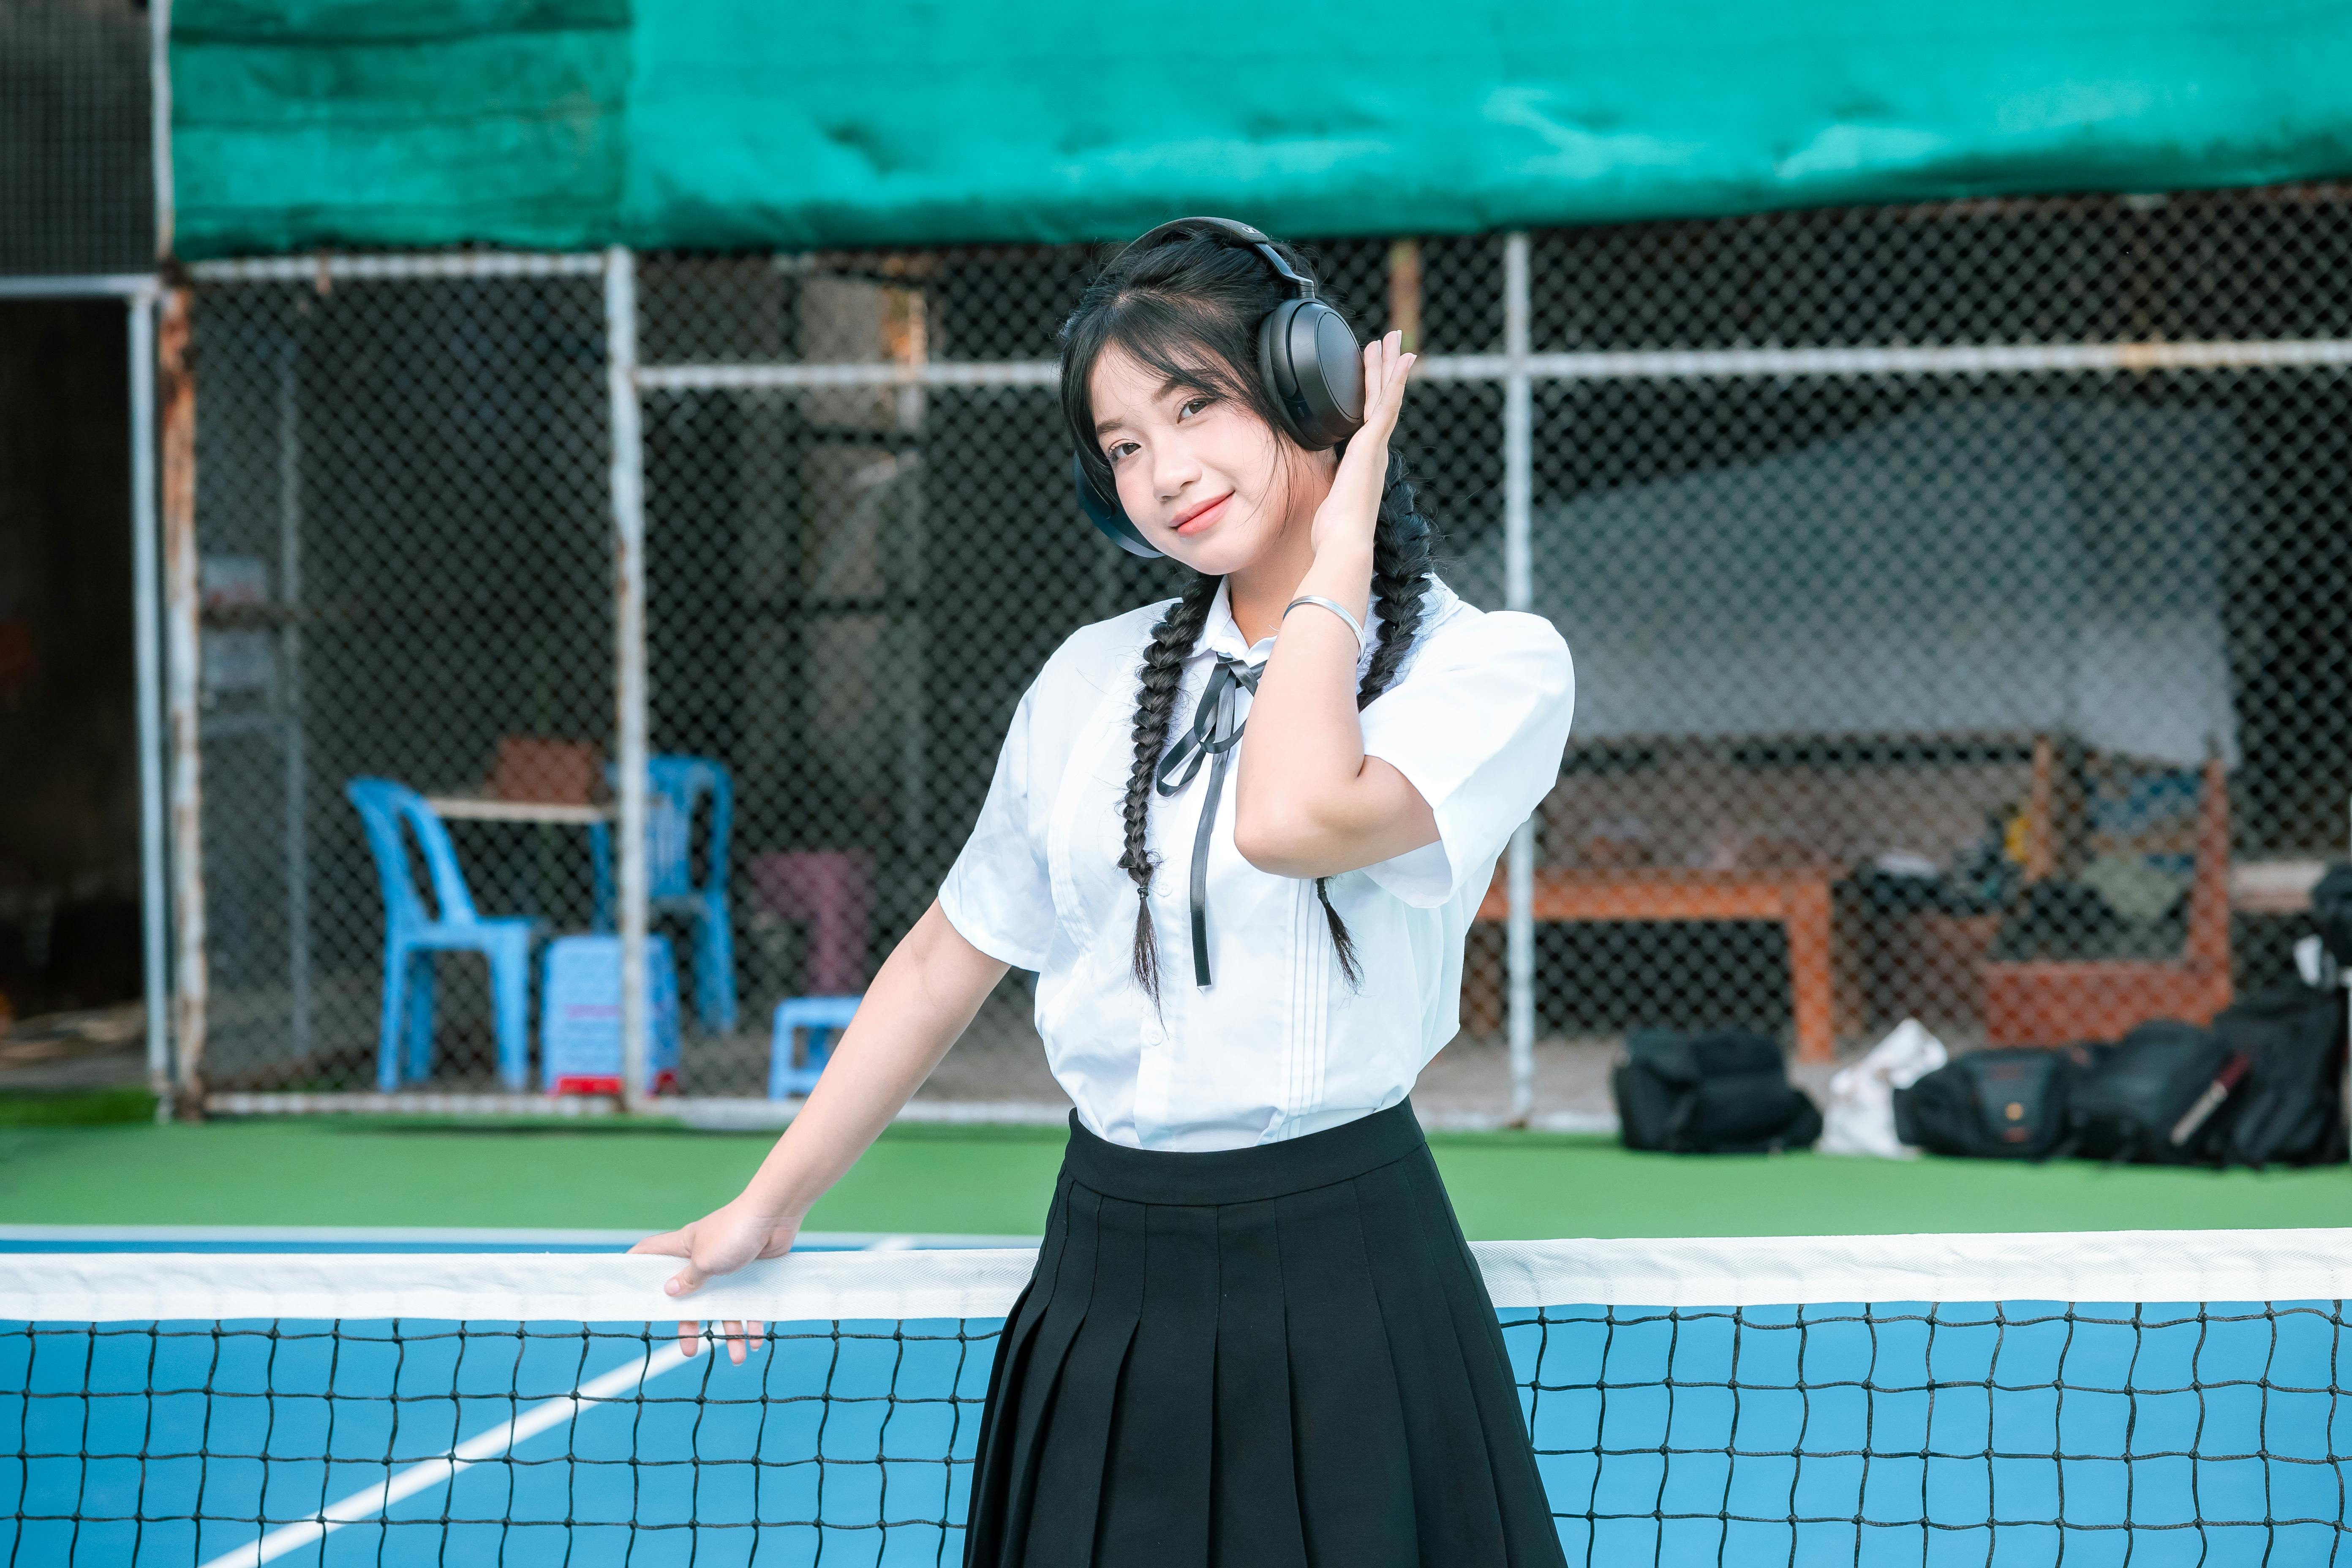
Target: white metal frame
(139,292)
(618,269)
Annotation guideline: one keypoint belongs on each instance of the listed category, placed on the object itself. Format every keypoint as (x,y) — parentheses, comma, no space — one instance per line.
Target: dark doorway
(69,934)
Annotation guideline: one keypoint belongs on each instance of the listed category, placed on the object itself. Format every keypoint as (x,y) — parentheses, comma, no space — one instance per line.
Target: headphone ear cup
(1313,368)
(1105,512)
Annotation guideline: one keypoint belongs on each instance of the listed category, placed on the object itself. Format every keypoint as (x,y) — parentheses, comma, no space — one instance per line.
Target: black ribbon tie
(1216,730)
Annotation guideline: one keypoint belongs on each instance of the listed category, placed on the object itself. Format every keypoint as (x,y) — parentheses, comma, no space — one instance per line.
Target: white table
(2274,887)
(472,807)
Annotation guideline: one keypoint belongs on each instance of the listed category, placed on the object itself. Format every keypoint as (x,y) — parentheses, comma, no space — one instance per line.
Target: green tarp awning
(745,123)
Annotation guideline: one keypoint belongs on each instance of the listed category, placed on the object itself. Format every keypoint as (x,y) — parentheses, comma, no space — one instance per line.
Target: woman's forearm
(1303,750)
(1308,802)
(927,991)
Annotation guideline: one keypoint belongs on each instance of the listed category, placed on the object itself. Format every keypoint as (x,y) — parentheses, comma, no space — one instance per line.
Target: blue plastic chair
(822,1016)
(674,787)
(413,933)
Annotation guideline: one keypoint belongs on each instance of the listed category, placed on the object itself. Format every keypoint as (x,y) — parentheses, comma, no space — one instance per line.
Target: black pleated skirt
(1273,1357)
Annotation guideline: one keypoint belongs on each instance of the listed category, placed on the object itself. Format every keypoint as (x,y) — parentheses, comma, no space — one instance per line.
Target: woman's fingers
(739,1335)
(674,1244)
(1384,359)
(742,1336)
(714,1245)
(1386,367)
(1352,508)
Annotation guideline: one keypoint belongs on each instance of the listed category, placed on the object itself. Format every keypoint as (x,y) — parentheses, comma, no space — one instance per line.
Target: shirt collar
(1222,634)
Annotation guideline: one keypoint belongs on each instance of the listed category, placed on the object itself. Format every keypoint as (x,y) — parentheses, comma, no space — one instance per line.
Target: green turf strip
(995,1180)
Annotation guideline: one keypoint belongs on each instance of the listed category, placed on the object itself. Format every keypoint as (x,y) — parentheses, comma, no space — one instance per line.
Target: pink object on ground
(830,890)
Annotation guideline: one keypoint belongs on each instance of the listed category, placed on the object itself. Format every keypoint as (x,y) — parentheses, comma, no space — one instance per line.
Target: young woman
(1255,1337)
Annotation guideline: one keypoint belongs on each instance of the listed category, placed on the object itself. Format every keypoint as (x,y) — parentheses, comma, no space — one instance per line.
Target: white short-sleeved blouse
(1281,1045)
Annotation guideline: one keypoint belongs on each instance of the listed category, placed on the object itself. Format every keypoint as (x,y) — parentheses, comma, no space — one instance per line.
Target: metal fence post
(629,658)
(1518,594)
(290,643)
(146,633)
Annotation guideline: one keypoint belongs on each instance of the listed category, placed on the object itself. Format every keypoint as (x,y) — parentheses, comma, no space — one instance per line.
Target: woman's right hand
(719,1243)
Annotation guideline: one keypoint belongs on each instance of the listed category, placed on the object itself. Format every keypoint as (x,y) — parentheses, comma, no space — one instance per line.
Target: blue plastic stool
(580,1016)
(820,1016)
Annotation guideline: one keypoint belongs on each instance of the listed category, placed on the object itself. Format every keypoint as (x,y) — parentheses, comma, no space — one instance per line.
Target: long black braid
(1189,310)
(1155,706)
(1401,549)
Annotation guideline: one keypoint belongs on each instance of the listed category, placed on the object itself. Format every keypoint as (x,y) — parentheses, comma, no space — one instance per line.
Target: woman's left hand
(720,1242)
(1348,514)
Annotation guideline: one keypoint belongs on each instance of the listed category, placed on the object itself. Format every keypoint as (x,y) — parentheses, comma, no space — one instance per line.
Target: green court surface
(995,1180)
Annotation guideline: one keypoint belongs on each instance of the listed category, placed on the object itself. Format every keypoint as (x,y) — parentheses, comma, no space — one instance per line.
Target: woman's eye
(1192,406)
(1118,449)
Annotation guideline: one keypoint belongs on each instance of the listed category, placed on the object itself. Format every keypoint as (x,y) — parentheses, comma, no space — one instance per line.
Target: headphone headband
(1237,232)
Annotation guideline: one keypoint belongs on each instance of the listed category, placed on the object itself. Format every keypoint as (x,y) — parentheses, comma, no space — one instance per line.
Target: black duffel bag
(2005,1103)
(1724,1093)
(2155,1099)
(2289,1109)
(2331,911)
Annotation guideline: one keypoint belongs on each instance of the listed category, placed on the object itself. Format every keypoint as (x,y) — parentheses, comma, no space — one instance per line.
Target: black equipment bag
(2289,1110)
(2005,1104)
(2331,910)
(1724,1093)
(2155,1099)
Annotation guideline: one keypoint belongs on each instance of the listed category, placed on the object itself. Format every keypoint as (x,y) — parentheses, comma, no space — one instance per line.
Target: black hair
(1188,309)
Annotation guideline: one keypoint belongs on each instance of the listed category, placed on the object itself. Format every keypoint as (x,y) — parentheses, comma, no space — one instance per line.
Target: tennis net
(2150,1396)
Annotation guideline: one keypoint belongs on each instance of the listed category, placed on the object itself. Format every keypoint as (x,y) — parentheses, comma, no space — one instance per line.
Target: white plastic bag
(1859,1119)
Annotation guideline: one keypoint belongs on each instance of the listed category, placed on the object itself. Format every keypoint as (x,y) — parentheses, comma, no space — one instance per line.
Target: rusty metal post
(1405,291)
(175,397)
(147,626)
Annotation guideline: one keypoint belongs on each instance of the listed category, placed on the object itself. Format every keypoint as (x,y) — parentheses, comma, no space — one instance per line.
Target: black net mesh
(2029,1432)
(2020,1432)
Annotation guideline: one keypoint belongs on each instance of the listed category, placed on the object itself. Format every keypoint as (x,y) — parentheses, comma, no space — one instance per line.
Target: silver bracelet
(1333,605)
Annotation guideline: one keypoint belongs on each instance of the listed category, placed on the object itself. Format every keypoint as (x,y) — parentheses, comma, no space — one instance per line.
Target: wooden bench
(1797,899)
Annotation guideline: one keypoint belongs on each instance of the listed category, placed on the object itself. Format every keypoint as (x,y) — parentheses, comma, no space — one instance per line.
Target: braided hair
(1187,311)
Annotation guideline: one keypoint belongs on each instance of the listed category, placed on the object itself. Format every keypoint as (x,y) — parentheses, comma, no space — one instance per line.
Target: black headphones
(1307,356)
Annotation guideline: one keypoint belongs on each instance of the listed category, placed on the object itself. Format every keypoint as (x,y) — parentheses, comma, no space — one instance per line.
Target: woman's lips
(1196,521)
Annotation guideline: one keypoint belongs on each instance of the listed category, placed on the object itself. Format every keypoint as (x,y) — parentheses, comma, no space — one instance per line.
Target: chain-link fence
(75,182)
(1956,594)
(406,560)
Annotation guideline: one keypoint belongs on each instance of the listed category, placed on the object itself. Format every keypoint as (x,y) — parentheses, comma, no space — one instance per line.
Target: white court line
(373,1501)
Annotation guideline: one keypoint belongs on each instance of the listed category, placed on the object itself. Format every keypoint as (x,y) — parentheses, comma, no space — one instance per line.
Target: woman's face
(1204,478)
